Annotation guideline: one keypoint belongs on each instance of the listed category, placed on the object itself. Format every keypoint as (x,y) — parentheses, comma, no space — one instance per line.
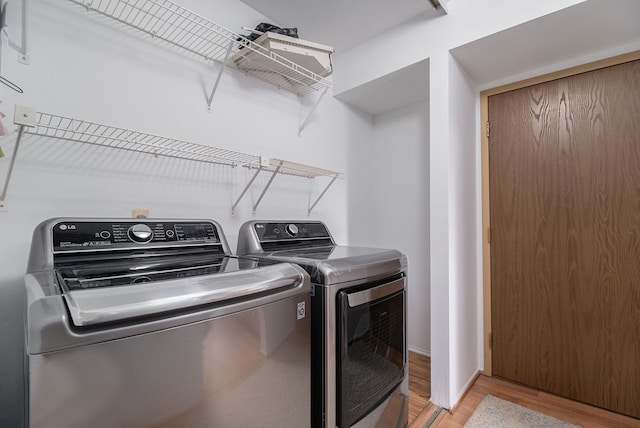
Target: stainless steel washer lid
(103,305)
(52,325)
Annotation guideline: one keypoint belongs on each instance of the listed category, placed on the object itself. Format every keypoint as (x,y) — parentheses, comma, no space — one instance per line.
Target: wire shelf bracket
(215,85)
(311,112)
(244,191)
(335,177)
(25,118)
(266,187)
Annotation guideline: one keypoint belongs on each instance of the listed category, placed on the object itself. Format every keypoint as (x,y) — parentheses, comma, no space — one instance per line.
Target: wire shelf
(54,126)
(293,168)
(82,131)
(178,26)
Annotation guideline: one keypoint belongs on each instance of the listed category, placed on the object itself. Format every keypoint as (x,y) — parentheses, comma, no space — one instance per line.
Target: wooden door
(564,194)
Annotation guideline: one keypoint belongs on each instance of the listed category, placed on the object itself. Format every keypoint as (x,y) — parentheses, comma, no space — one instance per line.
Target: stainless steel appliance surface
(153,323)
(359,348)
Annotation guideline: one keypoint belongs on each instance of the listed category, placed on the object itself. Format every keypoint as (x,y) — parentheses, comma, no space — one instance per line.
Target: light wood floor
(561,408)
(419,383)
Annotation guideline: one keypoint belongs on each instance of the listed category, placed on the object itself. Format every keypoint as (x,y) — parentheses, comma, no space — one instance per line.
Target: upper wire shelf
(174,24)
(55,126)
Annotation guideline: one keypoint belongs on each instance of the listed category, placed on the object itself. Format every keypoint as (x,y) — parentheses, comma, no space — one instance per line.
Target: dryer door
(371,347)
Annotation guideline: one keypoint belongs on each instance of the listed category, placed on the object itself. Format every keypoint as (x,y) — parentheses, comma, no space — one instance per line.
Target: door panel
(564,189)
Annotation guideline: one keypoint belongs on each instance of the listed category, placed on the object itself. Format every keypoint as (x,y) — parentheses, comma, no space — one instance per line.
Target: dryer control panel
(257,237)
(293,230)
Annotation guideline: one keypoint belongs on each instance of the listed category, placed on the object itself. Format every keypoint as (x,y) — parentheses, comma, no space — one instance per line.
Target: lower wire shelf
(54,126)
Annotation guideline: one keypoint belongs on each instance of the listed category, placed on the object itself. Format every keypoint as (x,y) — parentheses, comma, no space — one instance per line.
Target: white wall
(440,247)
(83,66)
(395,204)
(463,233)
(359,186)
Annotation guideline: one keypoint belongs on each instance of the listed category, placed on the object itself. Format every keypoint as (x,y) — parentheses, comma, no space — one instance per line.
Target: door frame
(484,131)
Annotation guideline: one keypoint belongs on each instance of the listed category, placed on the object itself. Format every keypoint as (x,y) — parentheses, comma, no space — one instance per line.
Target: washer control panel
(94,235)
(290,230)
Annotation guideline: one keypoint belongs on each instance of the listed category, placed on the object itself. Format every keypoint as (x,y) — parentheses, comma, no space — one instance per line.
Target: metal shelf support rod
(275,172)
(335,177)
(11,162)
(313,110)
(224,64)
(22,47)
(233,208)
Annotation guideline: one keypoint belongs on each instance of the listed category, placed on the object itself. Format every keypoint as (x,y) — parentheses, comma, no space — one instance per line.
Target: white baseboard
(419,350)
(467,386)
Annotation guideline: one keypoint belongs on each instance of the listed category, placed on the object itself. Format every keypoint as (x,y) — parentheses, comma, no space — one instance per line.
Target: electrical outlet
(264,162)
(140,213)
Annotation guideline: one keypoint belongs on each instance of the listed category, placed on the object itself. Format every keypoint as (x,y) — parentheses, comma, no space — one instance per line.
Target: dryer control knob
(292,229)
(140,233)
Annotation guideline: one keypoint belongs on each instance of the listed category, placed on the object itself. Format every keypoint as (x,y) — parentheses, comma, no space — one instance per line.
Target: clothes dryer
(358,307)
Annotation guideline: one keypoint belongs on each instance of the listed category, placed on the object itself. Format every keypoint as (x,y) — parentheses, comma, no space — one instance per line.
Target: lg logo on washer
(67,227)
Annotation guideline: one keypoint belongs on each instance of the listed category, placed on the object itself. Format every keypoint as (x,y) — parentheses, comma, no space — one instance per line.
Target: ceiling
(401,88)
(552,41)
(341,24)
(576,32)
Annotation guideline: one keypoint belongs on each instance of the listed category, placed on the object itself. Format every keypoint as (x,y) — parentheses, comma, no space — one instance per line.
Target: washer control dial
(292,229)
(140,233)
